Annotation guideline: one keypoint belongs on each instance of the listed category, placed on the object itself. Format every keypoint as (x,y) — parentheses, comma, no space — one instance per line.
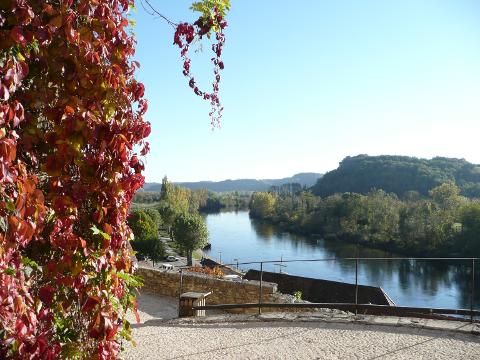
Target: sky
(307,83)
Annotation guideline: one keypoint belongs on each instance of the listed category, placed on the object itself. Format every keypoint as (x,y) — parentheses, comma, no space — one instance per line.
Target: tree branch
(154,12)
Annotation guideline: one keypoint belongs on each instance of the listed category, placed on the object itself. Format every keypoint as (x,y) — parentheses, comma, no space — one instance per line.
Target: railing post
(181,284)
(356,286)
(472,295)
(261,289)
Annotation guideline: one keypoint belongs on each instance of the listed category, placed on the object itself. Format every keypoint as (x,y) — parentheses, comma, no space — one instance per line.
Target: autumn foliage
(71,121)
(71,124)
(216,271)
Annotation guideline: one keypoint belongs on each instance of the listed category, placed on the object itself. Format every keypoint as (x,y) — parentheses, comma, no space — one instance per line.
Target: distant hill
(398,174)
(305,179)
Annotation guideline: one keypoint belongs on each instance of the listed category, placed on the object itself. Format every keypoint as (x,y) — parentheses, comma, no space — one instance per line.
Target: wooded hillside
(400,175)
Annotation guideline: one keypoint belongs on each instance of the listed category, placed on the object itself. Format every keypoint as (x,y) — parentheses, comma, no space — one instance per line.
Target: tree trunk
(189,257)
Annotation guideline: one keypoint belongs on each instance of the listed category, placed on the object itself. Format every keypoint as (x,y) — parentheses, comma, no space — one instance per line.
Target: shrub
(216,271)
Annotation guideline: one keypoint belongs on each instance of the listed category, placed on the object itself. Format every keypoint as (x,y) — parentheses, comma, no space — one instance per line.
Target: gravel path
(157,339)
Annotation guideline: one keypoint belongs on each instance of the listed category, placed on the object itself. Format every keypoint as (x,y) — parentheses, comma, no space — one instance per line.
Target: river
(424,283)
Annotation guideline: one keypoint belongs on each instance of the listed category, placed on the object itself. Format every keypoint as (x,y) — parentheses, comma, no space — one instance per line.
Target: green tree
(168,212)
(383,216)
(262,204)
(178,197)
(154,249)
(198,199)
(154,215)
(142,225)
(145,232)
(470,234)
(181,198)
(447,196)
(166,191)
(190,232)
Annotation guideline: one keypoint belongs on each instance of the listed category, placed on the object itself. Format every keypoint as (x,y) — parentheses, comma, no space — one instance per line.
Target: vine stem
(154,12)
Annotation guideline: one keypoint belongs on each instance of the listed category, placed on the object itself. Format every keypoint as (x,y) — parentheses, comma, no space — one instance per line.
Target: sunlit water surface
(447,284)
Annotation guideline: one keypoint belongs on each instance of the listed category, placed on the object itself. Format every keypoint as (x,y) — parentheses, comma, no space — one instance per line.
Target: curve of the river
(426,283)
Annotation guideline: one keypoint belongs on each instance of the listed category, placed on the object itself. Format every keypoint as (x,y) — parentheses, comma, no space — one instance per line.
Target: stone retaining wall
(223,291)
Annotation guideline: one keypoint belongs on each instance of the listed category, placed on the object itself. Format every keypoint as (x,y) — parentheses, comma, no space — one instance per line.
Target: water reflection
(408,282)
(462,276)
(264,231)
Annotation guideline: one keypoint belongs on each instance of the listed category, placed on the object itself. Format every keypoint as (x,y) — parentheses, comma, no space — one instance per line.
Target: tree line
(444,223)
(226,201)
(177,213)
(199,199)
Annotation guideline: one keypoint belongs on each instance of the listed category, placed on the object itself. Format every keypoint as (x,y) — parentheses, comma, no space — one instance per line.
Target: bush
(216,271)
(142,225)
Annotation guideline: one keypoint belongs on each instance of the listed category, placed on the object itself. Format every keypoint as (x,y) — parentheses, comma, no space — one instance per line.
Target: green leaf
(30,266)
(9,205)
(10,271)
(206,7)
(97,231)
(126,332)
(131,280)
(29,262)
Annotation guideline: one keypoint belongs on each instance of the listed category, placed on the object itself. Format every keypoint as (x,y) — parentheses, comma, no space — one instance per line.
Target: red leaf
(17,35)
(107,228)
(72,35)
(55,22)
(83,243)
(8,149)
(112,332)
(22,70)
(46,294)
(69,110)
(20,328)
(91,302)
(135,311)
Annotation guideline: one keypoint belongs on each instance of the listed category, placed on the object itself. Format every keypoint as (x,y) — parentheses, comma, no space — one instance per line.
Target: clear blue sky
(309,82)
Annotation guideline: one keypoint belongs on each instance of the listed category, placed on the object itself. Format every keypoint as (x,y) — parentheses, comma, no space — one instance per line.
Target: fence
(356,306)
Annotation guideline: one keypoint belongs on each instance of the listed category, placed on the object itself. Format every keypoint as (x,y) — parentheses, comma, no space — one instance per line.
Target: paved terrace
(329,334)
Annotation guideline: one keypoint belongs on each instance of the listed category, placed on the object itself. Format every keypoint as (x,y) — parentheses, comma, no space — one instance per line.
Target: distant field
(139,206)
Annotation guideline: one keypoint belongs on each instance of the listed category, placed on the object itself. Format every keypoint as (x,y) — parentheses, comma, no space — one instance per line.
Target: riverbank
(391,247)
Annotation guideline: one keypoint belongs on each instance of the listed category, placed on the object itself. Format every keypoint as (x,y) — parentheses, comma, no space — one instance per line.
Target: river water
(425,283)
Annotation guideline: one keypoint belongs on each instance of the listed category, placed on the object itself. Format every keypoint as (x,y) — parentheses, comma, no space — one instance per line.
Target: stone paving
(326,334)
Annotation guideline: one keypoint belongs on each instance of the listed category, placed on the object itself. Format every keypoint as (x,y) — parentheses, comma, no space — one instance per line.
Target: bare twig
(150,9)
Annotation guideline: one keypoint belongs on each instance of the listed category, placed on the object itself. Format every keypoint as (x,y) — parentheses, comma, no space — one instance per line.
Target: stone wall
(223,291)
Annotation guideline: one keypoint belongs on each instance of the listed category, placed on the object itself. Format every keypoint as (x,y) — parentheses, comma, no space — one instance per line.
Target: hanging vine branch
(211,21)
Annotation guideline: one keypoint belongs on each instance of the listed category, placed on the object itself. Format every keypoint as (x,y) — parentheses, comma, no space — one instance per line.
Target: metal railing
(356,306)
